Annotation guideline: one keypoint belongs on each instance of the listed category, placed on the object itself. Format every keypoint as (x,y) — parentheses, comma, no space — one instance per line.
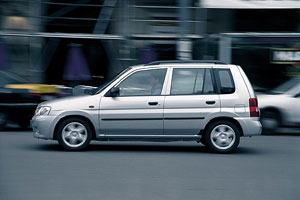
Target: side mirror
(115,91)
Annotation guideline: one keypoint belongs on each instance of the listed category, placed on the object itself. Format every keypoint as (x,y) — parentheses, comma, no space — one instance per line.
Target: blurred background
(58,44)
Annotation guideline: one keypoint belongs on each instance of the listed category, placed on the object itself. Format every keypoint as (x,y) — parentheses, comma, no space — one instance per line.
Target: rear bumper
(250,126)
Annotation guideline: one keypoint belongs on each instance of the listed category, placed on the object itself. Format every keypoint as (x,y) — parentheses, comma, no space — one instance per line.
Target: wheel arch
(235,122)
(74,116)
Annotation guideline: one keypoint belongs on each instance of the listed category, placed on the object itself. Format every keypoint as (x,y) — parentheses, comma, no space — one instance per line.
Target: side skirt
(150,138)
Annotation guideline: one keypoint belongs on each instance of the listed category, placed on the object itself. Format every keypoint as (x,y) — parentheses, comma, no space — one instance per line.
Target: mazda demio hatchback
(203,101)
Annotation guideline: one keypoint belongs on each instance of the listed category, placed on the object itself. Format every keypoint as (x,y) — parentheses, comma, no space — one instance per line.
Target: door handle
(152,103)
(210,102)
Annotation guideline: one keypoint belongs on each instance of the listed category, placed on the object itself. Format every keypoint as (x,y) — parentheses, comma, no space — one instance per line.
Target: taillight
(254,112)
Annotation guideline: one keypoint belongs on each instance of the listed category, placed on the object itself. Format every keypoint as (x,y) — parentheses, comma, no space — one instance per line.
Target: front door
(138,109)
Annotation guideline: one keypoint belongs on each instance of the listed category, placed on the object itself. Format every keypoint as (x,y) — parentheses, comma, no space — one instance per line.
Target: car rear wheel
(222,136)
(74,134)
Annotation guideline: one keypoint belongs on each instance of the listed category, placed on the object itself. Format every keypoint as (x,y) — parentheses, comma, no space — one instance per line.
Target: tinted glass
(191,81)
(208,85)
(143,83)
(226,81)
(286,85)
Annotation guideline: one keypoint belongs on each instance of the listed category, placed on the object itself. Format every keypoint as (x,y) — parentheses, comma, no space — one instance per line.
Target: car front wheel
(74,134)
(222,136)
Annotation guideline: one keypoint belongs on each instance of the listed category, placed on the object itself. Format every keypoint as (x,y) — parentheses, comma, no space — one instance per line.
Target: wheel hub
(223,136)
(74,134)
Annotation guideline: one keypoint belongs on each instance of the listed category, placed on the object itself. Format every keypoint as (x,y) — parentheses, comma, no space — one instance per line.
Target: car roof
(183,63)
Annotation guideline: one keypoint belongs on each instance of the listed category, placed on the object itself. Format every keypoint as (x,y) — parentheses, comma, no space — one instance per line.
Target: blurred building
(249,33)
(42,37)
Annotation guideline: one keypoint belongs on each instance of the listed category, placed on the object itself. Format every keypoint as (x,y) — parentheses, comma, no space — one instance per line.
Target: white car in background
(280,106)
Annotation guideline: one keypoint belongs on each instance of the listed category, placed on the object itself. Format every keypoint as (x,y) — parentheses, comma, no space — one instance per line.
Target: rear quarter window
(225,81)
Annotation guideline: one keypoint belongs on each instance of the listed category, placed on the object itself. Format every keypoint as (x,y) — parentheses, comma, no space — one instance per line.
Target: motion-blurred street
(265,167)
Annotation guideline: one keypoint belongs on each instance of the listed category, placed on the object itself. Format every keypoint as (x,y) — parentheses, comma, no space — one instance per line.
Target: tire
(202,141)
(222,136)
(74,134)
(270,121)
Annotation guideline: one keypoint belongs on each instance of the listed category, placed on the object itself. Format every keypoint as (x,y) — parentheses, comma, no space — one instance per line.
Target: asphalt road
(264,167)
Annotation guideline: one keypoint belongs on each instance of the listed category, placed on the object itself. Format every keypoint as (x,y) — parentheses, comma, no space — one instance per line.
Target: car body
(201,101)
(280,106)
(19,98)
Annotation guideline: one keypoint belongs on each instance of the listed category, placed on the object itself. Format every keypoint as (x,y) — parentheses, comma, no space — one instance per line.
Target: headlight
(43,110)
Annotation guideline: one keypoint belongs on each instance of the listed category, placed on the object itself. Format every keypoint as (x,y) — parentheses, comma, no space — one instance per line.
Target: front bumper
(43,126)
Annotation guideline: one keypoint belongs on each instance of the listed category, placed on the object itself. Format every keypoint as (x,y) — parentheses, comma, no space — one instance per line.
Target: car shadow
(142,148)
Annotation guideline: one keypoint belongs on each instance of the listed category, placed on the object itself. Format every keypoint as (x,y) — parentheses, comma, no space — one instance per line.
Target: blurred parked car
(280,106)
(19,98)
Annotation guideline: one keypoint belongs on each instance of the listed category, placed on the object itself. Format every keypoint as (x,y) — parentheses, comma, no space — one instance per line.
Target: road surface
(264,167)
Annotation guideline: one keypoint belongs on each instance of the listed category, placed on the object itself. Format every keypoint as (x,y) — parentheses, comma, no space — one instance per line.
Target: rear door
(191,97)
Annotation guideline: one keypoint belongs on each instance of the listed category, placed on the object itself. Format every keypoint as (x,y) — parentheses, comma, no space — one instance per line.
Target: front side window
(143,83)
(192,82)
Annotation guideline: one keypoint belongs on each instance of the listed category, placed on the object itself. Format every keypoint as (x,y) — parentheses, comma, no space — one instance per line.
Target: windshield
(107,83)
(286,86)
(10,78)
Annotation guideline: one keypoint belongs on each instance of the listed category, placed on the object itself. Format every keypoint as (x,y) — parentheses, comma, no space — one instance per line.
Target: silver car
(203,101)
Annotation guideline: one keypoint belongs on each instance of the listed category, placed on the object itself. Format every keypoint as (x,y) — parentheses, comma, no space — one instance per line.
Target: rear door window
(192,82)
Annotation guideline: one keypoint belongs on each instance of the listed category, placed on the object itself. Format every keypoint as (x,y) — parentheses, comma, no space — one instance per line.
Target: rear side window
(192,82)
(226,84)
